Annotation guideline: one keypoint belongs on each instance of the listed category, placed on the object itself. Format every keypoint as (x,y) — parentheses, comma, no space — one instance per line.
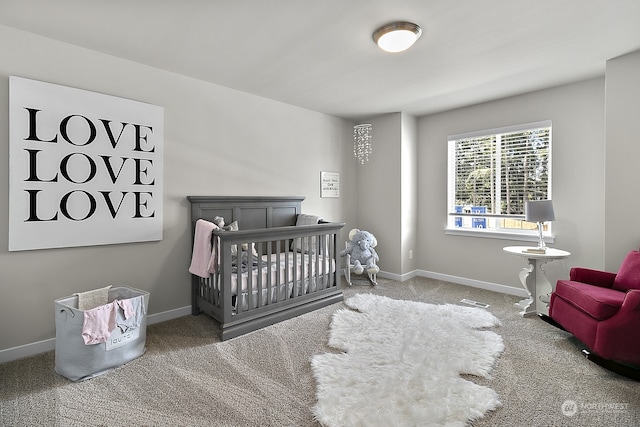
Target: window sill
(493,234)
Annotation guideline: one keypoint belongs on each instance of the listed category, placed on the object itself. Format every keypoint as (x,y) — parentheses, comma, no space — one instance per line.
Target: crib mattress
(293,267)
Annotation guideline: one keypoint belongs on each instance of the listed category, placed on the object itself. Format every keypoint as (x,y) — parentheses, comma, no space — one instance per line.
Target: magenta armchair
(602,310)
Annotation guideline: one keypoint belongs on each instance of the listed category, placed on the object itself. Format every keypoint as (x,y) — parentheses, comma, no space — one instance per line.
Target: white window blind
(492,173)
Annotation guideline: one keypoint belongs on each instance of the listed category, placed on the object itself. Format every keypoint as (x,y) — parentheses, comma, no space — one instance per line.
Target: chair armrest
(603,279)
(631,301)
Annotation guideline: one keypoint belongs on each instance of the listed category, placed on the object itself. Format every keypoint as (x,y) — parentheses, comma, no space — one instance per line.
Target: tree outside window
(492,174)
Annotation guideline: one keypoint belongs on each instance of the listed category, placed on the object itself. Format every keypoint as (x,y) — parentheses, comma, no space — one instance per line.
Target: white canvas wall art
(84,168)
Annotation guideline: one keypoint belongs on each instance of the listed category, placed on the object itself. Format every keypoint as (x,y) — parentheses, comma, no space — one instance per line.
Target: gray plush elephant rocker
(362,255)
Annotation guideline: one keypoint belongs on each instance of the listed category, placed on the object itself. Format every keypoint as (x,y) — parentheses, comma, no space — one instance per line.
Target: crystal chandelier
(362,142)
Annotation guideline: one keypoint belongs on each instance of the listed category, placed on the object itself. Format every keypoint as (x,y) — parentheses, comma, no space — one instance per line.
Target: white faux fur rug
(402,364)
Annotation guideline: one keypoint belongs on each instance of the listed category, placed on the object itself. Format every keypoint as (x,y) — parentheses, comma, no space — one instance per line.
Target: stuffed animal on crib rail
(361,249)
(219,221)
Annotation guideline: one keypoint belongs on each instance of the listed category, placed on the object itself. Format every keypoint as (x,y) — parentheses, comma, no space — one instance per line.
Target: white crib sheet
(327,266)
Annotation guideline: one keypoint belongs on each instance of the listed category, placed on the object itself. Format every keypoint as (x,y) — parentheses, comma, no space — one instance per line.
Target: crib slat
(304,267)
(224,276)
(287,260)
(295,253)
(249,283)
(309,275)
(278,270)
(258,274)
(269,273)
(319,263)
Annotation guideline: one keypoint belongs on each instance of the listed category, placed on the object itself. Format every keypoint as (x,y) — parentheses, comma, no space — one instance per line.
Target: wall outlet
(410,253)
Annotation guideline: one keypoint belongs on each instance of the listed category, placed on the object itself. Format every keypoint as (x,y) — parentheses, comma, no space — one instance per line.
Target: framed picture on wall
(329,184)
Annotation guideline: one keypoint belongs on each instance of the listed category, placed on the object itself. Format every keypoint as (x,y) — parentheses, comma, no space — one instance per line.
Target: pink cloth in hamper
(126,306)
(203,257)
(98,323)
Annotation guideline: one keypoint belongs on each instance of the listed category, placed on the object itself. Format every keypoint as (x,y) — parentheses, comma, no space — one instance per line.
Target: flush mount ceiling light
(397,36)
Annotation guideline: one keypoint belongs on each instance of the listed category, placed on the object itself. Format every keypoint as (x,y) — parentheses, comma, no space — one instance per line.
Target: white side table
(534,279)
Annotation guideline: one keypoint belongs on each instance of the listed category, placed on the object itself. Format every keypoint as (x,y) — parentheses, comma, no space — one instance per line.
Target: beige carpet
(188,378)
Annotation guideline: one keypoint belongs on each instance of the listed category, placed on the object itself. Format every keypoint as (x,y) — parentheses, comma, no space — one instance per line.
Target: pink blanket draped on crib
(203,257)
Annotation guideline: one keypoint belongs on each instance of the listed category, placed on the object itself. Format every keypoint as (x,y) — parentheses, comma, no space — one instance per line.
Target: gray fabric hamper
(77,361)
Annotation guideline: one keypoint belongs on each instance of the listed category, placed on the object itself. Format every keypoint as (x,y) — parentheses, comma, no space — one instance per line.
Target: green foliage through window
(500,170)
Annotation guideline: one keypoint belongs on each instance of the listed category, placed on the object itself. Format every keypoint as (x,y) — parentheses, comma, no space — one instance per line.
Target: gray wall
(387,192)
(409,195)
(217,142)
(622,180)
(378,198)
(594,178)
(577,114)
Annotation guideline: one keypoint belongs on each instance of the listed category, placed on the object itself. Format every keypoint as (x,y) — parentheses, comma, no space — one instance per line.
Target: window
(491,175)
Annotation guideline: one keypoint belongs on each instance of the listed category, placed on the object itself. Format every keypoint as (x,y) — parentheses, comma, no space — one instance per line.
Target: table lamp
(539,211)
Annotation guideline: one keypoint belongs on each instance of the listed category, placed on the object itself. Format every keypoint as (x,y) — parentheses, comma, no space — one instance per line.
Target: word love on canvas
(103,158)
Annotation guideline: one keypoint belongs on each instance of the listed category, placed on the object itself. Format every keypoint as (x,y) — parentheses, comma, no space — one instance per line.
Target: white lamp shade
(538,211)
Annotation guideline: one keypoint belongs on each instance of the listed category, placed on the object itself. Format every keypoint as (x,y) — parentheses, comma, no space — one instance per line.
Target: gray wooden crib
(270,269)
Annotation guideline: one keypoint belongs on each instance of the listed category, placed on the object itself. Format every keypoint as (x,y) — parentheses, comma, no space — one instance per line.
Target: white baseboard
(168,315)
(27,350)
(495,287)
(398,277)
(503,289)
(43,346)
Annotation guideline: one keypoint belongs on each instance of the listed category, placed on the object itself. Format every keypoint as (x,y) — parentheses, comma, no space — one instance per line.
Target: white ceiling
(318,54)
